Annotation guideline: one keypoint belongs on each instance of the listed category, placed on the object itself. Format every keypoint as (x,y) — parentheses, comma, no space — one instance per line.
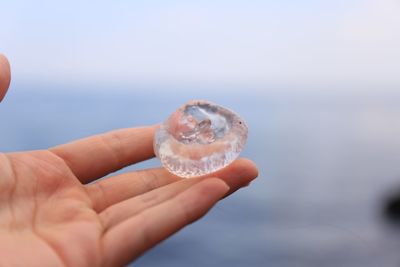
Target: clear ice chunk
(199,138)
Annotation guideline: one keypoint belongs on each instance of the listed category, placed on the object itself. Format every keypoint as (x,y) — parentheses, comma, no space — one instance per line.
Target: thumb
(5,76)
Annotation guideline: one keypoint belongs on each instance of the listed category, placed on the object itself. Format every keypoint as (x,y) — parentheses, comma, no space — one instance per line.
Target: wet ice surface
(199,138)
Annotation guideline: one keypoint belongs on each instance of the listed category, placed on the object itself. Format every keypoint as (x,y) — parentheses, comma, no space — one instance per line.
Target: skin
(54,210)
(5,76)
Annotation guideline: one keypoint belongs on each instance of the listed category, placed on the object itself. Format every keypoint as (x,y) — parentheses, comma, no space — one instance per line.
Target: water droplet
(199,138)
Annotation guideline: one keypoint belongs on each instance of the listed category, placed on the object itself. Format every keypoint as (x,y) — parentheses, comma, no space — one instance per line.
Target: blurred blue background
(317,81)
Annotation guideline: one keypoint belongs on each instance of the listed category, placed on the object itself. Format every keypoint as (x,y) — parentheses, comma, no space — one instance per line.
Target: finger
(5,76)
(115,189)
(134,236)
(123,210)
(99,155)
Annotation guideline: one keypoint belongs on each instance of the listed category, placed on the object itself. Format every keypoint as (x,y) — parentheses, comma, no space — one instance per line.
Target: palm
(49,213)
(55,212)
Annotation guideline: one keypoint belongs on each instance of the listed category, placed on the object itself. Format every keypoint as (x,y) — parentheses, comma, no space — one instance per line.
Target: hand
(54,211)
(4,76)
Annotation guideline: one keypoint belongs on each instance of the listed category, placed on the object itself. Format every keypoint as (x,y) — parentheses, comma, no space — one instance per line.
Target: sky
(244,44)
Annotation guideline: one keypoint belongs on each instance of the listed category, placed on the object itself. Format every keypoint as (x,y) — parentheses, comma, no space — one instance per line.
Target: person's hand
(4,76)
(54,211)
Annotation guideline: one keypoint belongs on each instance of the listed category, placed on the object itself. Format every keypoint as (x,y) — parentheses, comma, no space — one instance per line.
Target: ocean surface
(327,161)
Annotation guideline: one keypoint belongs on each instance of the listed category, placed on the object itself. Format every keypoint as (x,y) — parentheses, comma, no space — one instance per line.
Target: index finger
(5,76)
(96,156)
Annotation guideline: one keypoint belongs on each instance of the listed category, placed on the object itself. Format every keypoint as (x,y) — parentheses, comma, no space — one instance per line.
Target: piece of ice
(199,138)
